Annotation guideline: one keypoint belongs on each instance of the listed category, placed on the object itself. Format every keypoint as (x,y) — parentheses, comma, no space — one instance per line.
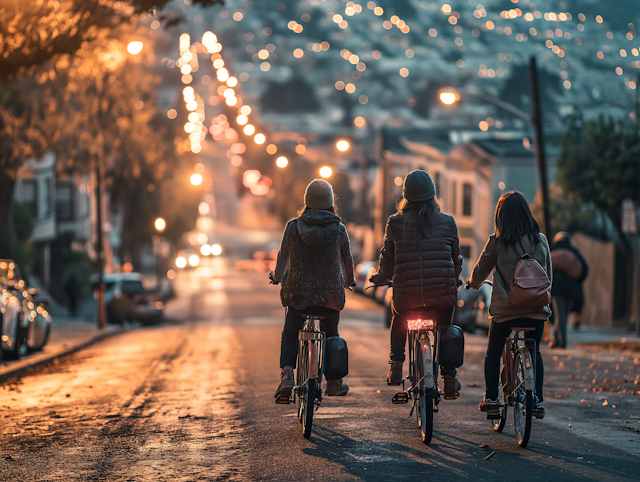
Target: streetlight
(134,48)
(196,179)
(326,171)
(282,162)
(160,225)
(342,146)
(450,96)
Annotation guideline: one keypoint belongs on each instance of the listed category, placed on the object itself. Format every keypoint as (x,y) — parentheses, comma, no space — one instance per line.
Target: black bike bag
(336,358)
(451,346)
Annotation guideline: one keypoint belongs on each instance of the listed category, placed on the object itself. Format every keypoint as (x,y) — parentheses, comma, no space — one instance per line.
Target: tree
(33,40)
(598,164)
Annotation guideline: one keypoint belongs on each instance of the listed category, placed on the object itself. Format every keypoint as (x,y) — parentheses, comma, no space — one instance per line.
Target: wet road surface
(192,400)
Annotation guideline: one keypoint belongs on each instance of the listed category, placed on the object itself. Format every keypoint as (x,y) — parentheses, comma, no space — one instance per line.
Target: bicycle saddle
(306,315)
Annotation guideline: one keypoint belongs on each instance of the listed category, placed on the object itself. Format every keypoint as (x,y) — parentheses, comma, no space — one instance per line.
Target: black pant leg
(398,334)
(495,345)
(293,323)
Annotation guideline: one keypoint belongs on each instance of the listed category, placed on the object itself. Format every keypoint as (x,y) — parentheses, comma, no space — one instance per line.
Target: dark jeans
(563,306)
(294,322)
(399,332)
(497,336)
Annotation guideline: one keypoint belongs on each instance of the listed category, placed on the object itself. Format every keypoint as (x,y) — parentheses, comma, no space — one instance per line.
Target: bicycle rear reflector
(400,398)
(415,325)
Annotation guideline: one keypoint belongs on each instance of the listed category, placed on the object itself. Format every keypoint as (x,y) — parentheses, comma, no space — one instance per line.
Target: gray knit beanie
(319,194)
(418,187)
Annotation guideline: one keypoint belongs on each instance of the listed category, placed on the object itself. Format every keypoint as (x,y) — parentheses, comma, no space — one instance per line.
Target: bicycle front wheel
(498,424)
(302,374)
(523,403)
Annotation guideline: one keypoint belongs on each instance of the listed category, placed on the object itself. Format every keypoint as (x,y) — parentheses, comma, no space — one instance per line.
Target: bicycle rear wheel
(301,377)
(523,403)
(427,395)
(309,406)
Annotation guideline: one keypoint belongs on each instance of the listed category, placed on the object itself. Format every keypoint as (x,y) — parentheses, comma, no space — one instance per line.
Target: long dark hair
(419,217)
(514,220)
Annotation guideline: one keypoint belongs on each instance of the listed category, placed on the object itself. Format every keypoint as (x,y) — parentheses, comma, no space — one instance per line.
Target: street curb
(22,368)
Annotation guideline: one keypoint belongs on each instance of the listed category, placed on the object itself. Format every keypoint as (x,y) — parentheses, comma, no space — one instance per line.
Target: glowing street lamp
(160,225)
(326,171)
(134,48)
(449,98)
(282,162)
(196,179)
(342,146)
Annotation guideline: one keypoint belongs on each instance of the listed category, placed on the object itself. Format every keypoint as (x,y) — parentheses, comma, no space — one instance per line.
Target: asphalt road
(192,400)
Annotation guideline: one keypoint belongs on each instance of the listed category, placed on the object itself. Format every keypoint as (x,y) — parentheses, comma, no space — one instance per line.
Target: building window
(466,199)
(465,252)
(454,195)
(64,202)
(30,196)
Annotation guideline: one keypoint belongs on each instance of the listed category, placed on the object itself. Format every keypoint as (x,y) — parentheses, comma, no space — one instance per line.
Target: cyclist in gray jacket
(313,253)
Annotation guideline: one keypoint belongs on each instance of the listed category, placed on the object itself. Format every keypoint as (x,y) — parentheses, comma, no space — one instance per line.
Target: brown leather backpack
(530,286)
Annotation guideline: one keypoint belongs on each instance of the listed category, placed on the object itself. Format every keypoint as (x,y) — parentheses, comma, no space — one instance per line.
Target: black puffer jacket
(315,246)
(424,269)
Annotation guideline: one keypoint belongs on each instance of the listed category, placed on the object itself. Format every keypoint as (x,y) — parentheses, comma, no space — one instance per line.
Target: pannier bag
(451,346)
(336,358)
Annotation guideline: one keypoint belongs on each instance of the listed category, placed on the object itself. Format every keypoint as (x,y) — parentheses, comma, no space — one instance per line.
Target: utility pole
(102,306)
(541,160)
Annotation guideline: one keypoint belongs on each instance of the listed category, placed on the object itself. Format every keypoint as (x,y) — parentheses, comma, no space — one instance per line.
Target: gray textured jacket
(314,246)
(424,269)
(506,259)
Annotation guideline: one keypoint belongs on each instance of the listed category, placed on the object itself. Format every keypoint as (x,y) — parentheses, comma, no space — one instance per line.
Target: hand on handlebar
(272,281)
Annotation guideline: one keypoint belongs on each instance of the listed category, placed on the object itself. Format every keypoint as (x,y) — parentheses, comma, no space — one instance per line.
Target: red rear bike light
(415,325)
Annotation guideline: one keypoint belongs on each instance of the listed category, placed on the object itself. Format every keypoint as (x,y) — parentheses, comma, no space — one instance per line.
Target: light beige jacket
(505,259)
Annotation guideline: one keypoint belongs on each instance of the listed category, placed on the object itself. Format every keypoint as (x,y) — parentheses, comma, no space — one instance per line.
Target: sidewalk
(591,336)
(67,335)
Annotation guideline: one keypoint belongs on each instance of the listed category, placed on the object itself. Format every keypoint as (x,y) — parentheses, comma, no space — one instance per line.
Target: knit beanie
(418,187)
(319,194)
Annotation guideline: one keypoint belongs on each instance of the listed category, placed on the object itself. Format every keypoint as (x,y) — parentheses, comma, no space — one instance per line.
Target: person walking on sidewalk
(421,253)
(516,234)
(314,250)
(569,272)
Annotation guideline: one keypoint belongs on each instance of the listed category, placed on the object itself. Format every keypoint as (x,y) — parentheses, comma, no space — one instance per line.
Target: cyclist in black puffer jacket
(421,254)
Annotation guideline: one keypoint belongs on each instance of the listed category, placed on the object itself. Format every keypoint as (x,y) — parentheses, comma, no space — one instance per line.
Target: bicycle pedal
(452,398)
(283,400)
(395,384)
(400,398)
(493,416)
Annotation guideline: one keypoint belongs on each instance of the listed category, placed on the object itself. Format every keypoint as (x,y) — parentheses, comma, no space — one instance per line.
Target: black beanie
(418,187)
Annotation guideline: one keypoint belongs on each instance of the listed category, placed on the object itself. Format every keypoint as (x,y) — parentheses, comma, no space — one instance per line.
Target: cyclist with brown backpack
(518,255)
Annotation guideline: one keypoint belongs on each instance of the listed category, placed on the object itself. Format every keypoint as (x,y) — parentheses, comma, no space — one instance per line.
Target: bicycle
(517,383)
(424,357)
(310,368)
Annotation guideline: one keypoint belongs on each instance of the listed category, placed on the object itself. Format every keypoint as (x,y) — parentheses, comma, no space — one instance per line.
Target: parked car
(363,272)
(24,321)
(127,299)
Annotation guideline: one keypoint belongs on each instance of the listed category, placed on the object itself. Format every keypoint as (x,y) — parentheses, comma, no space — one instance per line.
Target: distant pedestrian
(314,247)
(71,290)
(517,237)
(569,272)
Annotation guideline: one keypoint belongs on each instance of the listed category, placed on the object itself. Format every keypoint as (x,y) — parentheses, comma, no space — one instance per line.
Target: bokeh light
(135,47)
(326,171)
(194,260)
(181,261)
(196,179)
(216,250)
(282,162)
(203,208)
(160,224)
(342,145)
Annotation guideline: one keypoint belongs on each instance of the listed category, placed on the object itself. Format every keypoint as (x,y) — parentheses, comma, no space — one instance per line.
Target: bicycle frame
(527,352)
(311,335)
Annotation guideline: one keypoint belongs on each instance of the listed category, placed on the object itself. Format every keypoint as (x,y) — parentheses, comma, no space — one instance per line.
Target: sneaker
(451,387)
(336,388)
(286,383)
(538,410)
(491,407)
(394,377)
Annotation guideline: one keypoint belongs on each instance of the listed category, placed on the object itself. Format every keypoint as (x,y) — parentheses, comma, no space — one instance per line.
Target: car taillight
(415,325)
